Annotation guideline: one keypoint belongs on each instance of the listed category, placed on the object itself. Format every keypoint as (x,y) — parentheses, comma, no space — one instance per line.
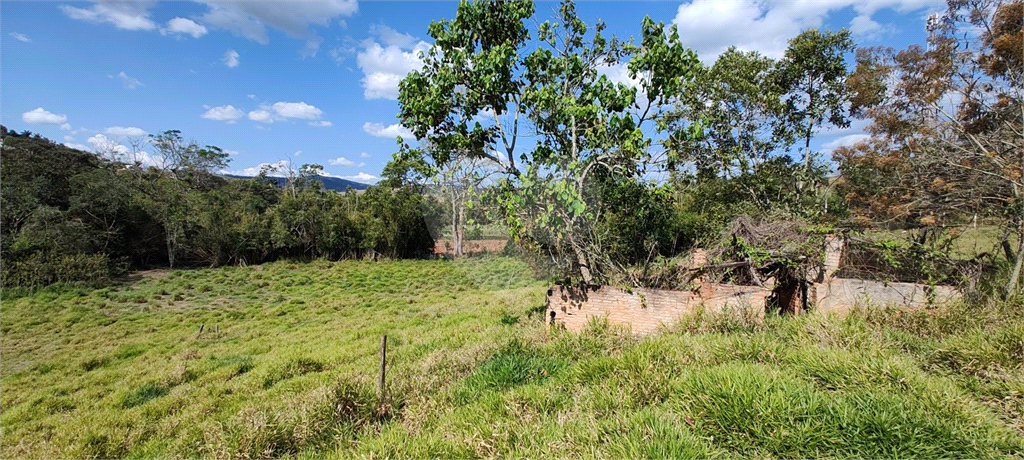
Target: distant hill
(330,183)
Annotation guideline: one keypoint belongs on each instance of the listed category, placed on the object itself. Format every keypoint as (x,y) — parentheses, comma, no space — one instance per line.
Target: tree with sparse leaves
(947,132)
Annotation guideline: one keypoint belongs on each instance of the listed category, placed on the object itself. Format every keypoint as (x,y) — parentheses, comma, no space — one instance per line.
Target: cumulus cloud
(297,110)
(102,143)
(250,19)
(364,155)
(123,15)
(340,161)
(230,58)
(127,81)
(183,26)
(41,116)
(114,150)
(710,26)
(130,131)
(20,37)
(226,113)
(281,111)
(863,26)
(392,37)
(385,65)
(261,115)
(361,177)
(379,130)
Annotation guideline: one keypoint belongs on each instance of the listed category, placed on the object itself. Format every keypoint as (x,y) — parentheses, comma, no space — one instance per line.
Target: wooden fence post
(383,361)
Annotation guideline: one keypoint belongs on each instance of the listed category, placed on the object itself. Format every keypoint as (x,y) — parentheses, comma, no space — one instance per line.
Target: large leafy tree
(813,72)
(736,106)
(541,107)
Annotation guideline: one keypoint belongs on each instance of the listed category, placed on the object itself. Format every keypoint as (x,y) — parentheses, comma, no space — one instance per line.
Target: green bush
(44,268)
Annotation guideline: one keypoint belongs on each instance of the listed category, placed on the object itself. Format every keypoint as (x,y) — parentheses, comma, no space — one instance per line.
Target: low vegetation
(286,363)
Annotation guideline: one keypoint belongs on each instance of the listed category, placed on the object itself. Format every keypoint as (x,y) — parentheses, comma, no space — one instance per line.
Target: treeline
(73,216)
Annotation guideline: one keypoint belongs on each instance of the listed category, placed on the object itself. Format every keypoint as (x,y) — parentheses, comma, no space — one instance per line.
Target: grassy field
(287,361)
(967,241)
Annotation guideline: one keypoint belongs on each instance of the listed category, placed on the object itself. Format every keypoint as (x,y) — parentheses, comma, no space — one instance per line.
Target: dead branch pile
(750,252)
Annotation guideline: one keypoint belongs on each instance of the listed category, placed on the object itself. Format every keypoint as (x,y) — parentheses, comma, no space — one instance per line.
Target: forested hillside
(73,216)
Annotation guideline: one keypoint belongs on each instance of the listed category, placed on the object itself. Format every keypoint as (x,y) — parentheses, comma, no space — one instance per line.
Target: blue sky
(316,82)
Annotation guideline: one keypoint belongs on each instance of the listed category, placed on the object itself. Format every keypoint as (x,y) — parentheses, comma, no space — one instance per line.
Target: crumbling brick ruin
(646,310)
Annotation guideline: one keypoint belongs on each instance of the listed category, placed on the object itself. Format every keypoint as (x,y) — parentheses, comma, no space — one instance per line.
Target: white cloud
(364,155)
(297,110)
(276,169)
(20,37)
(130,131)
(126,80)
(298,153)
(113,150)
(361,164)
(392,37)
(280,111)
(249,19)
(82,147)
(618,74)
(312,46)
(41,116)
(379,130)
(261,116)
(385,66)
(123,15)
(226,113)
(863,26)
(101,143)
(230,58)
(345,47)
(281,168)
(844,141)
(711,26)
(340,161)
(183,26)
(361,177)
(232,152)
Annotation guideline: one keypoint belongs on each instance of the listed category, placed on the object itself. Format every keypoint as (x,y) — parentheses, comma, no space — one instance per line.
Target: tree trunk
(1011,286)
(170,250)
(456,226)
(460,231)
(581,259)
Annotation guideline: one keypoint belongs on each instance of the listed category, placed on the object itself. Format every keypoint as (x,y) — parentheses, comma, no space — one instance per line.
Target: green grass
(286,365)
(968,243)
